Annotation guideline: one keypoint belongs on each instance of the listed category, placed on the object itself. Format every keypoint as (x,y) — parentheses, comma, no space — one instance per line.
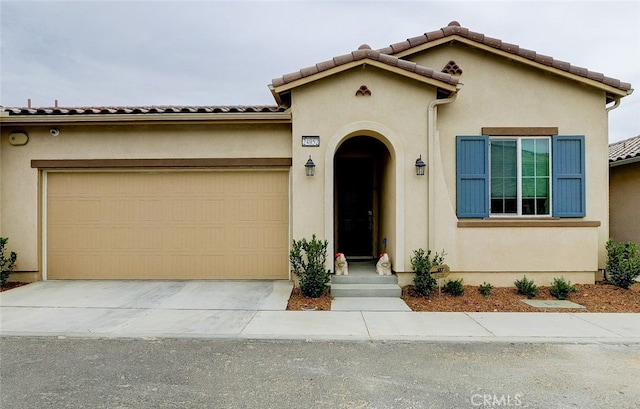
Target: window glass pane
(528,187)
(528,157)
(511,206)
(528,206)
(542,206)
(497,206)
(542,187)
(504,176)
(542,157)
(511,187)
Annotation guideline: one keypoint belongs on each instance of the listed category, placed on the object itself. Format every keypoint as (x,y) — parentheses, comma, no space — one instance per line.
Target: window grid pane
(504,176)
(533,179)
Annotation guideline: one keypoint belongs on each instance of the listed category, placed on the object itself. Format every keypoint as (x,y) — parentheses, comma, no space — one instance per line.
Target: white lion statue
(341,266)
(383,267)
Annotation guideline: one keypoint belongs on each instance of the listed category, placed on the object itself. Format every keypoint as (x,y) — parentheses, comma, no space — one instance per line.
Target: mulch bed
(598,297)
(11,285)
(300,302)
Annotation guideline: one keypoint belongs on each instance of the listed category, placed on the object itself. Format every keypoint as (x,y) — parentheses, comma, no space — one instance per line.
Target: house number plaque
(441,271)
(310,140)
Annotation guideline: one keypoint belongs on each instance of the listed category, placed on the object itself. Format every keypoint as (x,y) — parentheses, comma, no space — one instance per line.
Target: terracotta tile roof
(623,150)
(153,109)
(362,53)
(454,29)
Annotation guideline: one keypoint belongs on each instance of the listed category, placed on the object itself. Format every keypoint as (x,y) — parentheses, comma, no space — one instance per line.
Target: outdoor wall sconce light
(420,166)
(310,167)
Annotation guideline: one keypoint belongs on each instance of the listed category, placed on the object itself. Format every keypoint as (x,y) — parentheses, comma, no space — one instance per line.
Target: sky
(149,52)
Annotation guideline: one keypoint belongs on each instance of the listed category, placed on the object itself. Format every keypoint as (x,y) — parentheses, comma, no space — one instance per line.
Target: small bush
(623,263)
(6,263)
(527,287)
(485,289)
(454,287)
(421,263)
(560,288)
(308,260)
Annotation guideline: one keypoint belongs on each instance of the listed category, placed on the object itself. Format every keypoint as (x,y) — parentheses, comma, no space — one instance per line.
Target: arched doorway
(362,168)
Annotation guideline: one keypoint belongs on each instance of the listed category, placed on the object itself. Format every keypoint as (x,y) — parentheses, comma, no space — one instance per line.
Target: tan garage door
(167,225)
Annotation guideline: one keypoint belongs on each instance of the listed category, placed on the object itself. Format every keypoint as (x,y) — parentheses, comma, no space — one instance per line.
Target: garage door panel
(167,225)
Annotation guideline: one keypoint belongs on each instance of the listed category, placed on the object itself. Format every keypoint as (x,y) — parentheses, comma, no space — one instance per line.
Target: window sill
(519,222)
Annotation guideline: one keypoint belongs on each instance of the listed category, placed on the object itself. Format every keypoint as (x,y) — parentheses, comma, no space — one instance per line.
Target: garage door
(167,225)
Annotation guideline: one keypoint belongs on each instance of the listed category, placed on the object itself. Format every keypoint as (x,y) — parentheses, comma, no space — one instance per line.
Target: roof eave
(612,92)
(80,119)
(626,161)
(344,67)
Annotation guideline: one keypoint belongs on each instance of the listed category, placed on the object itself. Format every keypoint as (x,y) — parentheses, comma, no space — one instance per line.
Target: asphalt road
(187,373)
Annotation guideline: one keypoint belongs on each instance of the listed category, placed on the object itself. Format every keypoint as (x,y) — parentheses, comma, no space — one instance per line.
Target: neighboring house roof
(623,152)
(455,32)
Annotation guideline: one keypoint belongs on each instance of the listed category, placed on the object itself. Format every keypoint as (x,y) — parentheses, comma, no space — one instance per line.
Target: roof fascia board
(627,161)
(367,61)
(455,37)
(79,119)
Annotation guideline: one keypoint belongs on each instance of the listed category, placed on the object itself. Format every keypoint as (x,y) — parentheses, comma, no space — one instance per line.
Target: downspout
(615,105)
(431,134)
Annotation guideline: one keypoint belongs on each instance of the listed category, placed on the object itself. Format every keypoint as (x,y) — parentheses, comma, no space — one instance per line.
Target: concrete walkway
(256,310)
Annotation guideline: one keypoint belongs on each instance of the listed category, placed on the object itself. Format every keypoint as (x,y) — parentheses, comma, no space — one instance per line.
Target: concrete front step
(365,290)
(364,278)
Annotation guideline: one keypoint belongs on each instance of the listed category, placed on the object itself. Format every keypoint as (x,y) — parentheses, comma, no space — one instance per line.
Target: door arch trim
(391,140)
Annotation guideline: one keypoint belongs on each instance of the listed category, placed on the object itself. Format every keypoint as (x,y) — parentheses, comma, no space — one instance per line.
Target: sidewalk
(177,310)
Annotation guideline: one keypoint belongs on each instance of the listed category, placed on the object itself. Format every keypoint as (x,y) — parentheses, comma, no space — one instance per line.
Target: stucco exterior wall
(19,203)
(624,197)
(497,92)
(501,93)
(396,114)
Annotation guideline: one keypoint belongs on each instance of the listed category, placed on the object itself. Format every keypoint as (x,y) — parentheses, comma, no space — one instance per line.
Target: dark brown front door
(354,190)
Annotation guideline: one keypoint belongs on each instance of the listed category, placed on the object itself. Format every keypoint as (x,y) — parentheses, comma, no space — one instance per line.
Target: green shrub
(560,288)
(421,263)
(526,287)
(485,289)
(623,263)
(454,287)
(6,264)
(308,260)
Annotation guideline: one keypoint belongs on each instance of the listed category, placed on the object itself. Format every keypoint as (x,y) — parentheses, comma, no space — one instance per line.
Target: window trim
(518,139)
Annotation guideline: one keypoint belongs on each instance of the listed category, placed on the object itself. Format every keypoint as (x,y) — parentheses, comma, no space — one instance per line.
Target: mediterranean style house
(451,140)
(624,190)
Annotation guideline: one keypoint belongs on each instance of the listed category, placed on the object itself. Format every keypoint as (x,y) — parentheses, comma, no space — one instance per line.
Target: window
(520,176)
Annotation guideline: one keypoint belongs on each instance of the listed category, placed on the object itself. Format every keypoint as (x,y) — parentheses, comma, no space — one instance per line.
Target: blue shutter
(472,171)
(568,176)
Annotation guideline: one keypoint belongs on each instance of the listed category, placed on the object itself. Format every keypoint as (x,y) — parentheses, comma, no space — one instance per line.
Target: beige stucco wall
(497,93)
(501,93)
(19,200)
(624,197)
(396,114)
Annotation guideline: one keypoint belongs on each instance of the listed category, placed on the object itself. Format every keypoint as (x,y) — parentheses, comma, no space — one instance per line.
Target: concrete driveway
(138,308)
(256,310)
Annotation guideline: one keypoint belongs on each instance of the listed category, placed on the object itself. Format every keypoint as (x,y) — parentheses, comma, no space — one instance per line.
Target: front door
(354,196)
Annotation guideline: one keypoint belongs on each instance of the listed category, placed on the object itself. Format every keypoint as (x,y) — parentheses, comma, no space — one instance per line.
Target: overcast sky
(112,53)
